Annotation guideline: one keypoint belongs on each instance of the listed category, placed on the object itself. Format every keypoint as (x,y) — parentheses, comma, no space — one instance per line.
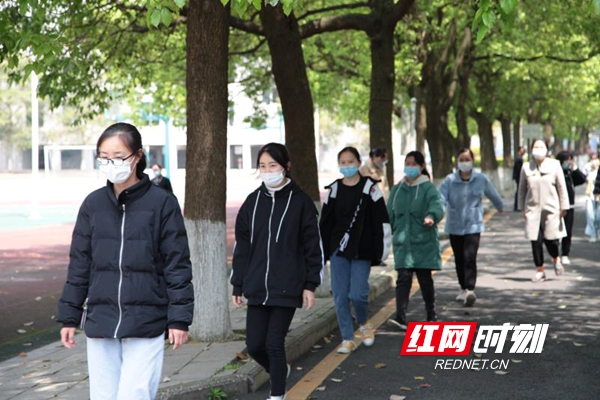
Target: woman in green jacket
(415,210)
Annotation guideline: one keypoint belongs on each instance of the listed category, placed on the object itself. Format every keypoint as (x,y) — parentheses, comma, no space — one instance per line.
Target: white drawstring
(283,216)
(253,215)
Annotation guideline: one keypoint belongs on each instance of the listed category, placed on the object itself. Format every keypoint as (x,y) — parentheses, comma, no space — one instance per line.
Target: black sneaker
(397,324)
(431,316)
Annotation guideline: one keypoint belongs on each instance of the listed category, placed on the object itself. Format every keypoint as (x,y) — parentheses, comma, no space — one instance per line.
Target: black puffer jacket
(130,259)
(278,247)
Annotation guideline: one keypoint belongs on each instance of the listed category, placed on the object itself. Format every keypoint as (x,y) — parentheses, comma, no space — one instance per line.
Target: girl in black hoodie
(277,261)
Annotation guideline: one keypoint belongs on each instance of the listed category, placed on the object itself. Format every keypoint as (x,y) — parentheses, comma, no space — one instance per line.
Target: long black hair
(279,153)
(419,159)
(131,138)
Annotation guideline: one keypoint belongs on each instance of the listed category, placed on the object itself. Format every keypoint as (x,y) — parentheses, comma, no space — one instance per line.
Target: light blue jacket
(462,200)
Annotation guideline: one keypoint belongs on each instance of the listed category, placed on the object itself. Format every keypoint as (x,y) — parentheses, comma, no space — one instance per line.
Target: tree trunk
(420,119)
(441,143)
(516,136)
(462,116)
(289,71)
(205,188)
(486,140)
(506,139)
(464,140)
(382,85)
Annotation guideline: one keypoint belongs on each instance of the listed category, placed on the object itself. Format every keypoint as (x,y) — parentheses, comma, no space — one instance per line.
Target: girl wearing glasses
(129,275)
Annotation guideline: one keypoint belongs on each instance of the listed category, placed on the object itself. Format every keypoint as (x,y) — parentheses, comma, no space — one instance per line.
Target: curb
(299,341)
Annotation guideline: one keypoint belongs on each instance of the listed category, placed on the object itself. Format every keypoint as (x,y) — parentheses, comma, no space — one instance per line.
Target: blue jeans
(592,214)
(350,282)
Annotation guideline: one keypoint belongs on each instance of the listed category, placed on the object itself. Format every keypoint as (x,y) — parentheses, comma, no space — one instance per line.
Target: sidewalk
(58,373)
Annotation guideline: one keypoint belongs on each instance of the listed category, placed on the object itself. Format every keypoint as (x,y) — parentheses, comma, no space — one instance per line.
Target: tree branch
(246,26)
(399,10)
(359,22)
(540,57)
(249,51)
(333,8)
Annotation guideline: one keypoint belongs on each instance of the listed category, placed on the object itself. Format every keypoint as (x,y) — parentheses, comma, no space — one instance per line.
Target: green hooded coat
(415,244)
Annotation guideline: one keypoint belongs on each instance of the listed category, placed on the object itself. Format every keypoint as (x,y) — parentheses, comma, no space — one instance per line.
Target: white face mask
(539,153)
(272,179)
(117,174)
(465,166)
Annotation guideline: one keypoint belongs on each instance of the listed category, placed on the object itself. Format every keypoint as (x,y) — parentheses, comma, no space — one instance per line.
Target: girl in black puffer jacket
(129,276)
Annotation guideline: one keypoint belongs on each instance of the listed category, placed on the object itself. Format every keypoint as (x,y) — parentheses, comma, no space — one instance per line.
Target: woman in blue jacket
(277,261)
(462,193)
(129,275)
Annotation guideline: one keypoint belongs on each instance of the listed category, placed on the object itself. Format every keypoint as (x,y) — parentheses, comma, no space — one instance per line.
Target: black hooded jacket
(369,238)
(129,272)
(277,252)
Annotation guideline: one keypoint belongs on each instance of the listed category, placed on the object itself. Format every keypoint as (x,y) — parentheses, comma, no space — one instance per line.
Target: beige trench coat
(542,196)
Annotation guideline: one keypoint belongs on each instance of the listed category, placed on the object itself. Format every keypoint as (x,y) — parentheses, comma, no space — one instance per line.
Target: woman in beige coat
(544,200)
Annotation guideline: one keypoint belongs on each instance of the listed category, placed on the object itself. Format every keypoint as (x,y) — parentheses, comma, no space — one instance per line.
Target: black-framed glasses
(115,161)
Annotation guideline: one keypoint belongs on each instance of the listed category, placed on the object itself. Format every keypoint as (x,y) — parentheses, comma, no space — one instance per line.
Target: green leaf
(481,32)
(477,19)
(489,18)
(181,3)
(257,4)
(597,6)
(224,2)
(508,6)
(288,6)
(273,2)
(166,17)
(485,4)
(155,17)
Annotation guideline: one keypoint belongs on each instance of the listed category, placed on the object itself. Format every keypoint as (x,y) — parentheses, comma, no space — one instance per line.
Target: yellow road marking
(315,377)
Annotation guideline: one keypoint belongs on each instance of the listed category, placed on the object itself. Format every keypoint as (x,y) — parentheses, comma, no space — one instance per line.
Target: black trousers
(566,241)
(538,249)
(516,207)
(403,285)
(465,249)
(266,329)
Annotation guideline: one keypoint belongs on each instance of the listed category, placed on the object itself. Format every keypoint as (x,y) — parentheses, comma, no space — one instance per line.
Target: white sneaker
(462,295)
(565,260)
(539,277)
(470,298)
(276,398)
(347,347)
(593,240)
(558,267)
(367,334)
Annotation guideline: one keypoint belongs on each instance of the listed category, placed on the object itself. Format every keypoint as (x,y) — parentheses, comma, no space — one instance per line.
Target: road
(565,369)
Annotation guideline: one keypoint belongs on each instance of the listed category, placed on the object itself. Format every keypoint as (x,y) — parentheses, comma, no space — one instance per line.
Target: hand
(67,337)
(308,299)
(177,338)
(563,213)
(523,214)
(428,221)
(237,300)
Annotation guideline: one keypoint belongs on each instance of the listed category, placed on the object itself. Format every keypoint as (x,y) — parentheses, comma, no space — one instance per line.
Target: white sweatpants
(125,369)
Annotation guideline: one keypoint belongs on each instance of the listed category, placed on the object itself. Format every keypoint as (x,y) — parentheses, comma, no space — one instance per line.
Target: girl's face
(540,145)
(347,159)
(115,149)
(465,157)
(267,164)
(411,162)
